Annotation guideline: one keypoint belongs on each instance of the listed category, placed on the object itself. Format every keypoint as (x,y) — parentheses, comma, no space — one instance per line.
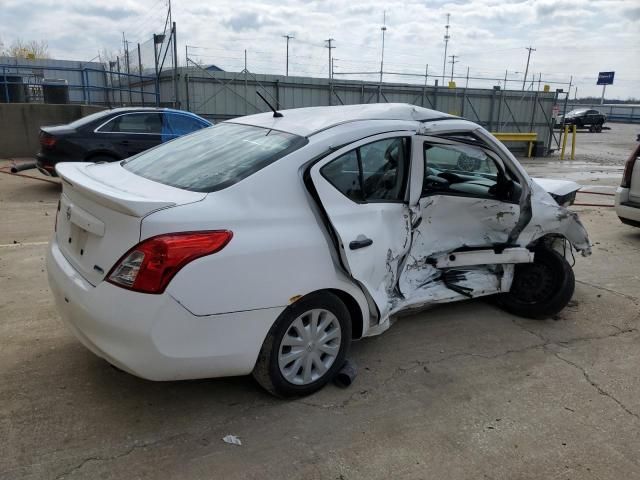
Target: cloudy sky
(577,38)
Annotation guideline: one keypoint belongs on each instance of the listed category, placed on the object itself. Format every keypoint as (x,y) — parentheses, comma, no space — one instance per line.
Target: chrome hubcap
(309,347)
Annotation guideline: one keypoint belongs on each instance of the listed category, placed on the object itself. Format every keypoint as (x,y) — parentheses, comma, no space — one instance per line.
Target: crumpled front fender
(549,218)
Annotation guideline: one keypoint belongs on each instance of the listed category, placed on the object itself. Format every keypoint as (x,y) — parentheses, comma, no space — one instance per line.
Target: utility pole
(288,37)
(526,70)
(330,47)
(383,29)
(446,43)
(453,61)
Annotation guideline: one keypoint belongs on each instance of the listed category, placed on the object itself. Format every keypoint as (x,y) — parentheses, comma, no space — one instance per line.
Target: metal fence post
(492,108)
(533,111)
(6,86)
(186,87)
(435,96)
(246,103)
(86,72)
(84,87)
(140,76)
(176,103)
(119,79)
(105,91)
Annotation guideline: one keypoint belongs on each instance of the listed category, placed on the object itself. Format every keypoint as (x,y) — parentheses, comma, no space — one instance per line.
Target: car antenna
(275,112)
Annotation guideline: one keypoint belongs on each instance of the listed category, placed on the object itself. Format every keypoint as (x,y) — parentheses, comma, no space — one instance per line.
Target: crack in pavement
(598,388)
(599,287)
(403,369)
(97,458)
(397,373)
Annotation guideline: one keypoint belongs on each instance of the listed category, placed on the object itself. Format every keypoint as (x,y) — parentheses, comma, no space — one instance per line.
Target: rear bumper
(153,336)
(627,210)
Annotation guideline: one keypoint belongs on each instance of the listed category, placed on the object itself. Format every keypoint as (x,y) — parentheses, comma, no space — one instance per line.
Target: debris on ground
(232,439)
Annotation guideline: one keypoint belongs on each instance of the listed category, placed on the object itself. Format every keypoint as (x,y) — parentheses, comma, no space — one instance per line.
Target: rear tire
(540,289)
(296,358)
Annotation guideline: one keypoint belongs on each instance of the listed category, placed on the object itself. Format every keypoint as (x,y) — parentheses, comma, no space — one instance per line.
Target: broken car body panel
(447,213)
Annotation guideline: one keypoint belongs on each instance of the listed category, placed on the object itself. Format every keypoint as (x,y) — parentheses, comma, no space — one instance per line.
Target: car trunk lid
(101,208)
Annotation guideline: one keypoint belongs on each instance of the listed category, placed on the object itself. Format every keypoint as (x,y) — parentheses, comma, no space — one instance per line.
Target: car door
(132,133)
(364,190)
(469,201)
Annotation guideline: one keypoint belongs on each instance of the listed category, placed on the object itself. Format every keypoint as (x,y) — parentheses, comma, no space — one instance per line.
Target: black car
(583,117)
(112,135)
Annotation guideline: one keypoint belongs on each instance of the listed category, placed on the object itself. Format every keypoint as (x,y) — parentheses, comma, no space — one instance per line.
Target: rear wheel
(540,289)
(306,346)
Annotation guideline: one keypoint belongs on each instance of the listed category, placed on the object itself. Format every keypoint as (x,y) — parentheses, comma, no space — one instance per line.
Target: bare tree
(28,49)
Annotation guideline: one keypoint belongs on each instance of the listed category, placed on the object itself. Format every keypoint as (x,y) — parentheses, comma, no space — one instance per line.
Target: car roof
(148,109)
(312,120)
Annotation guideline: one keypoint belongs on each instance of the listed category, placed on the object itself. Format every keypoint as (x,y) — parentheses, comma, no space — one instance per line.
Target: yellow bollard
(564,141)
(573,143)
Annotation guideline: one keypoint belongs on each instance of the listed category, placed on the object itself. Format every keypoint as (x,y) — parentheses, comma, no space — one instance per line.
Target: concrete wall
(20,124)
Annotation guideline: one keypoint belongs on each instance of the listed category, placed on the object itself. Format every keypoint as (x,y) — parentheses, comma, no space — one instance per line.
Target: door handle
(360,243)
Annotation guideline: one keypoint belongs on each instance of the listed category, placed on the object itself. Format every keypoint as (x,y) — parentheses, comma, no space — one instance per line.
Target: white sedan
(628,193)
(266,244)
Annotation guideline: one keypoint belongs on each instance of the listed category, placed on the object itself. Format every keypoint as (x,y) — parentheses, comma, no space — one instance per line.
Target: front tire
(305,347)
(540,289)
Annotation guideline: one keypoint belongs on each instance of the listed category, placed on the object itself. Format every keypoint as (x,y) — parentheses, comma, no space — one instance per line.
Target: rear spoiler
(73,176)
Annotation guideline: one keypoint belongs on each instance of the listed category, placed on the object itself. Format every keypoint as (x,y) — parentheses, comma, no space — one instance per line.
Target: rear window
(214,158)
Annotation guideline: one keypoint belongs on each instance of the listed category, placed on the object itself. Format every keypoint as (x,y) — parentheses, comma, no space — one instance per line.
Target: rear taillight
(47,140)
(149,266)
(628,168)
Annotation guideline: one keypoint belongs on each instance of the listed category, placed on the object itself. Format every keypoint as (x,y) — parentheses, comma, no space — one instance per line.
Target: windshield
(214,158)
(577,112)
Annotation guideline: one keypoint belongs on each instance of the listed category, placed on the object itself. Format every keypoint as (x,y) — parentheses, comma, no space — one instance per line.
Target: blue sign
(605,78)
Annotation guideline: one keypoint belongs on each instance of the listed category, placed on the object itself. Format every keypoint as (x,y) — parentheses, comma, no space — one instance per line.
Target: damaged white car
(267,243)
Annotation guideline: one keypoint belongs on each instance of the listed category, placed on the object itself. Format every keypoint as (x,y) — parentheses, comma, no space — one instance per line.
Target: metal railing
(87,85)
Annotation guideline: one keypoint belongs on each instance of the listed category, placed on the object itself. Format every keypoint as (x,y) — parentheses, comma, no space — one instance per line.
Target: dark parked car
(583,117)
(112,135)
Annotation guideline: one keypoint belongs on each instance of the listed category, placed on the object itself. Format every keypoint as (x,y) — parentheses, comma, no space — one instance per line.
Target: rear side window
(149,123)
(375,172)
(214,158)
(179,124)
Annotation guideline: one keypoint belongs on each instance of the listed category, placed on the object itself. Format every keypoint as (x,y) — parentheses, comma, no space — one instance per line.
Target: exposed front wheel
(306,346)
(540,289)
